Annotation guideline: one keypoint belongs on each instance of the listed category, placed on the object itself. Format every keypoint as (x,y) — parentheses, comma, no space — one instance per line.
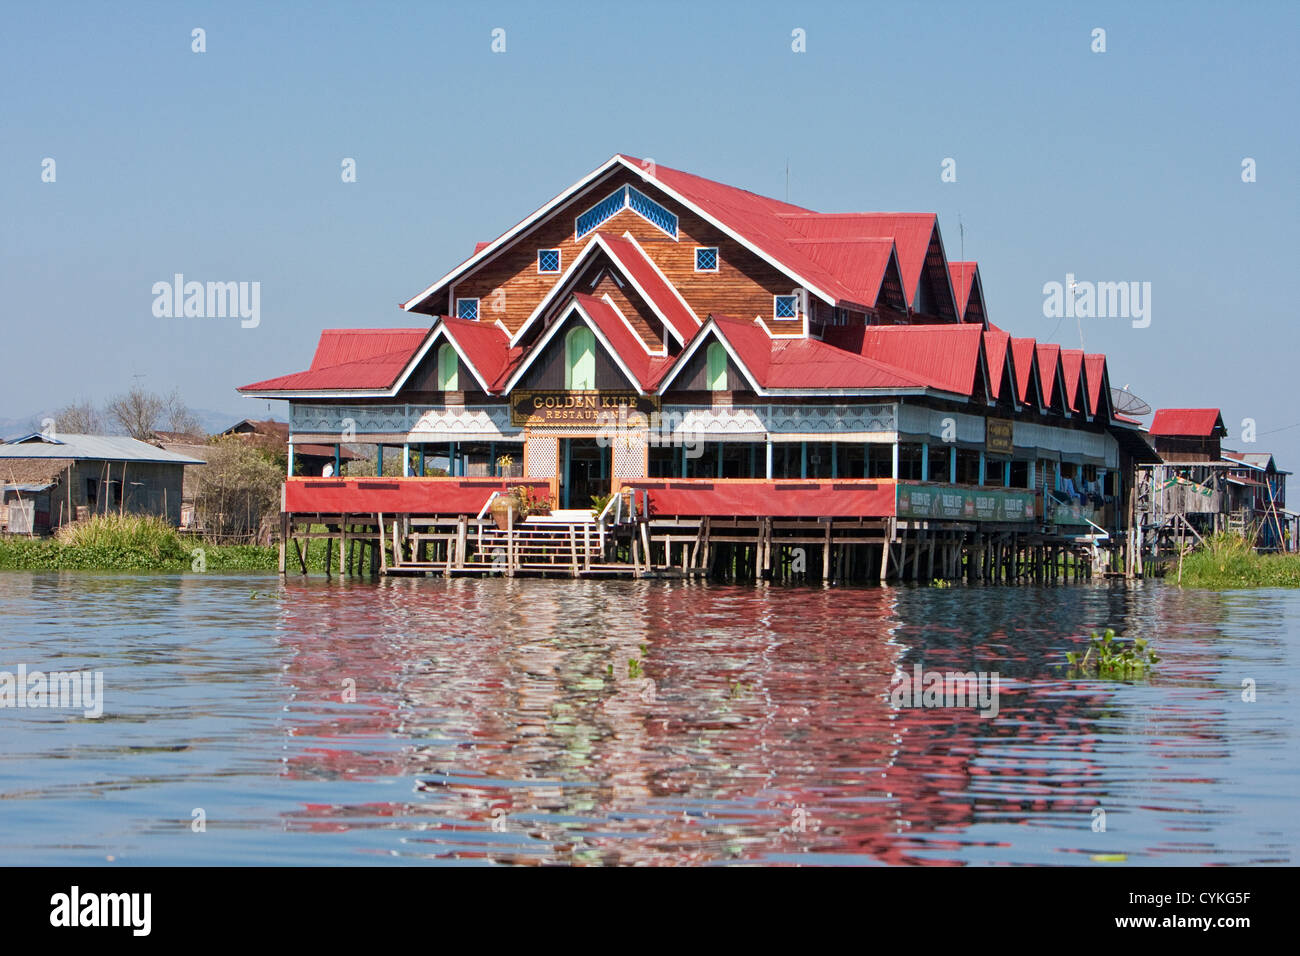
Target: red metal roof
(1072,370)
(863,263)
(341,346)
(781,229)
(963,282)
(943,356)
(1022,357)
(484,344)
(348,359)
(910,231)
(1188,423)
(1049,363)
(1095,372)
(996,343)
(642,271)
(646,368)
(796,362)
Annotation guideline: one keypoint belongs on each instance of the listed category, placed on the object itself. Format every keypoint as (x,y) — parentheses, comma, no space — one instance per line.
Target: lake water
(500,721)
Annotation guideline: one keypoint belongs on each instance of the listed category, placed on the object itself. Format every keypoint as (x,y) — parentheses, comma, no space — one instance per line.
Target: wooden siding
(509,288)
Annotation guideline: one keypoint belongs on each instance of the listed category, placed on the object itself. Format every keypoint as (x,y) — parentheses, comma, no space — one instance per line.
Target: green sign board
(940,502)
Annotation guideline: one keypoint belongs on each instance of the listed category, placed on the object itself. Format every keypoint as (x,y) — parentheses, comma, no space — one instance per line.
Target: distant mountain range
(211,420)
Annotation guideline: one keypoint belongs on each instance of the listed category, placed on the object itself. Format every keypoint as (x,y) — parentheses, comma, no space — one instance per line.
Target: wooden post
(383,556)
(826,553)
(284,535)
(510,540)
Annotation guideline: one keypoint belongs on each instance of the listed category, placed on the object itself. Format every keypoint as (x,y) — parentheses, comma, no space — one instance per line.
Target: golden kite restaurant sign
(578,409)
(997,436)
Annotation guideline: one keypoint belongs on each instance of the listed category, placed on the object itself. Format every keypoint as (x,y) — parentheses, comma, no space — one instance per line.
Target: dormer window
(706,258)
(548,261)
(467,308)
(785,306)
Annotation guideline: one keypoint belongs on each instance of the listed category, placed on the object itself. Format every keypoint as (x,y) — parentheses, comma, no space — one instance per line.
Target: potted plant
(518,499)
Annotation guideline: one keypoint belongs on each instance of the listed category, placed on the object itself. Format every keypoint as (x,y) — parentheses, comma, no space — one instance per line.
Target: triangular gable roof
(1023,357)
(483,346)
(996,352)
(968,290)
(1076,392)
(1098,378)
(911,234)
(763,225)
(612,330)
(866,260)
(1188,423)
(1048,359)
(783,364)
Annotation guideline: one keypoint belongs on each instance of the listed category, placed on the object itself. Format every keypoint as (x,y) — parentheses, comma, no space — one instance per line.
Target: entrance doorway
(585,471)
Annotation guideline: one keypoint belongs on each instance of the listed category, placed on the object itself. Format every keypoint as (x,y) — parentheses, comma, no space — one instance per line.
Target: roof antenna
(961,232)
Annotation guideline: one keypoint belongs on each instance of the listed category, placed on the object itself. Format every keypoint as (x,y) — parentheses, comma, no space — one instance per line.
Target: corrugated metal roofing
(1187,423)
(1049,365)
(996,344)
(1095,372)
(910,232)
(791,362)
(95,447)
(1022,357)
(943,356)
(342,346)
(1072,372)
(963,282)
(646,368)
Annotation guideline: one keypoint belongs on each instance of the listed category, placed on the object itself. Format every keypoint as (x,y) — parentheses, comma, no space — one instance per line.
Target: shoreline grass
(1227,562)
(135,543)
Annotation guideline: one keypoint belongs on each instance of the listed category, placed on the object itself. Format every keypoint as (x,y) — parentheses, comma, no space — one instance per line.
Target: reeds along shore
(1227,561)
(130,543)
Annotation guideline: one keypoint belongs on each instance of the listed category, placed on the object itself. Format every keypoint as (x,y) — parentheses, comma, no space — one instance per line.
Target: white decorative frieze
(756,422)
(421,423)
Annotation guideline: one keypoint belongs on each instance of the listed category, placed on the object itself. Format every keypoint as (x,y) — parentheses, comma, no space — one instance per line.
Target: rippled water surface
(501,721)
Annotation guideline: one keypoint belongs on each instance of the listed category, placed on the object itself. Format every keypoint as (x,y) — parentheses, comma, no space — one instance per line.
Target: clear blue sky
(225,165)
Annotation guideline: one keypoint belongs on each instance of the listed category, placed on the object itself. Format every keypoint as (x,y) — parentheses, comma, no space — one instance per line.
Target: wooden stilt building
(702,381)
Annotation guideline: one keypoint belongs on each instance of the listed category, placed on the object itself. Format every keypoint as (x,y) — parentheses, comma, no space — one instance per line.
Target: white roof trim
(488,251)
(619,312)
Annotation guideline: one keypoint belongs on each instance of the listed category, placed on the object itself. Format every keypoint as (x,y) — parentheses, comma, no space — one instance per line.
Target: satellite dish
(1127,403)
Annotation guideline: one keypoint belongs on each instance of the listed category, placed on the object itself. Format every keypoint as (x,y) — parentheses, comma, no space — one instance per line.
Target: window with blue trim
(548,260)
(467,308)
(625,197)
(786,306)
(706,258)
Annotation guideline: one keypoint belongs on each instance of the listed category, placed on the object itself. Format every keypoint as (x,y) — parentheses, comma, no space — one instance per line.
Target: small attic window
(785,306)
(467,308)
(548,261)
(706,258)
